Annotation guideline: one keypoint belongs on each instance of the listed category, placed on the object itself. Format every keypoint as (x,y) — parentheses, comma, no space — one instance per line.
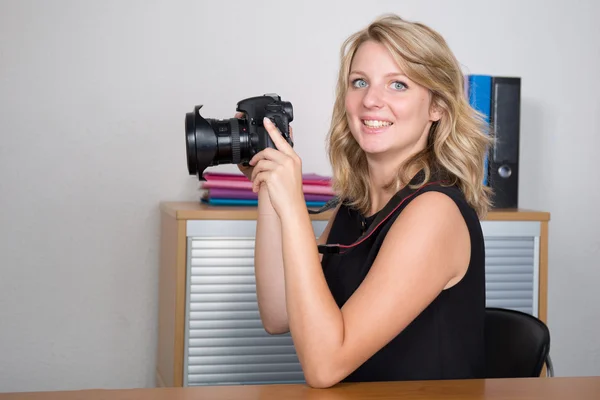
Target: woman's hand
(280,172)
(247,169)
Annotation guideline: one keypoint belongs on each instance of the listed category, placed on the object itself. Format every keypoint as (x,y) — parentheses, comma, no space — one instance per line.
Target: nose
(373,98)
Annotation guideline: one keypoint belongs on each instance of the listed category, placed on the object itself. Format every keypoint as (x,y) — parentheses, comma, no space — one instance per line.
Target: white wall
(92,102)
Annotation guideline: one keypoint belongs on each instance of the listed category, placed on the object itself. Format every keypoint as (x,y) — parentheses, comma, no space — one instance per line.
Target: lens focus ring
(235,141)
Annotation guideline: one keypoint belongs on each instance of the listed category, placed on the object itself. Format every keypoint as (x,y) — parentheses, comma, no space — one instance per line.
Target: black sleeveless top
(446,341)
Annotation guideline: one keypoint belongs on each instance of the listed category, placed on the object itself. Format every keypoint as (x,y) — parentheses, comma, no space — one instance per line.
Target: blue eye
(397,85)
(359,83)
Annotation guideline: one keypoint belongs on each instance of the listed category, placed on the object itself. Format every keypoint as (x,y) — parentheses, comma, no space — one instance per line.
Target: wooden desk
(496,389)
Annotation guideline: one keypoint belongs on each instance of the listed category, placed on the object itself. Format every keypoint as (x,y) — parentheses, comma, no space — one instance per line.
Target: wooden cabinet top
(200,211)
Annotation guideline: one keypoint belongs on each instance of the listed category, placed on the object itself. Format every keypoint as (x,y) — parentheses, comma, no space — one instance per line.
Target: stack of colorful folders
(228,189)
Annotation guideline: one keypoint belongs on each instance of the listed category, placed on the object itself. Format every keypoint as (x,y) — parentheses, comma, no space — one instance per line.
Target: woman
(408,301)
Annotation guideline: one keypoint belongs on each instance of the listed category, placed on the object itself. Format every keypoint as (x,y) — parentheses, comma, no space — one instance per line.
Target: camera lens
(211,142)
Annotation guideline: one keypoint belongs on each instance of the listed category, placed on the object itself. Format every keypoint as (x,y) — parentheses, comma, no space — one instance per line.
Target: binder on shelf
(505,119)
(480,98)
(499,100)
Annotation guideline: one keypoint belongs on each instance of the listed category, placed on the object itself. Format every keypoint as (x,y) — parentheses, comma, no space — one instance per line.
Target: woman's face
(388,114)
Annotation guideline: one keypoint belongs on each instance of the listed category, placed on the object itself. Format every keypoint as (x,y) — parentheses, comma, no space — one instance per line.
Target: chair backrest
(517,344)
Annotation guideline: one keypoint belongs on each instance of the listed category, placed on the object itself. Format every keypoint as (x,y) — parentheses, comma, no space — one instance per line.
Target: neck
(383,169)
(380,174)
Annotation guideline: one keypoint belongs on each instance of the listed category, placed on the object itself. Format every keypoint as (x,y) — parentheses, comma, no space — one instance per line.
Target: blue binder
(480,98)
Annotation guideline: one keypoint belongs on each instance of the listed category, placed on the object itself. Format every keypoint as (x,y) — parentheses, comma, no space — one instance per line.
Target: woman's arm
(426,250)
(268,265)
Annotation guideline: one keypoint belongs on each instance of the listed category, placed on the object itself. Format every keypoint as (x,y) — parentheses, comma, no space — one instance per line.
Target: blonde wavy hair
(457,143)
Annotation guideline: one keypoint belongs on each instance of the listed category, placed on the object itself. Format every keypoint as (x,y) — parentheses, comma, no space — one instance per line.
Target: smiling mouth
(376,123)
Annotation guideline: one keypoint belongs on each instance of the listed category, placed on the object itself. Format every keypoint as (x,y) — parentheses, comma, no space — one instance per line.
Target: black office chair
(517,344)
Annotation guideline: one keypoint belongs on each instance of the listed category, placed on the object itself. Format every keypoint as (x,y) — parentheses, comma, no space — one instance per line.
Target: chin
(374,150)
(373,146)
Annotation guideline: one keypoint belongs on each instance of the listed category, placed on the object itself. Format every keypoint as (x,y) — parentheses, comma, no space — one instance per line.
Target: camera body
(255,109)
(211,142)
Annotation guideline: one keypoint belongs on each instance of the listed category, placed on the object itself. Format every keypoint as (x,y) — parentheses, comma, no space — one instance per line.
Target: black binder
(505,119)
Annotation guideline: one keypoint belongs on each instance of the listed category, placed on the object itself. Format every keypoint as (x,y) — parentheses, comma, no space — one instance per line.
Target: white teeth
(376,124)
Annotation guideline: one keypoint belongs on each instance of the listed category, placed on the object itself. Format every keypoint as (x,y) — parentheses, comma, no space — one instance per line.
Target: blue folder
(250,202)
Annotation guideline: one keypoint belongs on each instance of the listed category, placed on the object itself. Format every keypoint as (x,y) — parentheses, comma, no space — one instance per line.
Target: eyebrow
(386,75)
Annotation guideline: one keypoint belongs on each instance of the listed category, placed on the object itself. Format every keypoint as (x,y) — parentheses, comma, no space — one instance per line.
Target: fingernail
(267,120)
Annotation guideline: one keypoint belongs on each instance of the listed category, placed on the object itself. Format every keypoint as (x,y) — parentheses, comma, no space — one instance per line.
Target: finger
(292,134)
(263,165)
(267,154)
(281,144)
(239,115)
(259,179)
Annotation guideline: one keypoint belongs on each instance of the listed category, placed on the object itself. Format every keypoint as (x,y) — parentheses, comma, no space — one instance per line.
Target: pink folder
(219,193)
(309,179)
(239,184)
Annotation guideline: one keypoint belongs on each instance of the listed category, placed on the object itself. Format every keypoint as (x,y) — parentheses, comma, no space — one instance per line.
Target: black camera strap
(327,206)
(390,208)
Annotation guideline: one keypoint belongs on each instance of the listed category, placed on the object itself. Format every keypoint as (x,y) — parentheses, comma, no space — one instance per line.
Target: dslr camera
(235,140)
